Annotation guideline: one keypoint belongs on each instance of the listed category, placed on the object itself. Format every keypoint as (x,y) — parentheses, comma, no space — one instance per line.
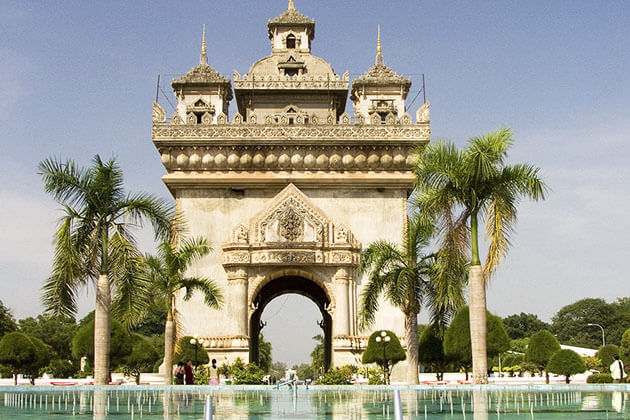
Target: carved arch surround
(256,283)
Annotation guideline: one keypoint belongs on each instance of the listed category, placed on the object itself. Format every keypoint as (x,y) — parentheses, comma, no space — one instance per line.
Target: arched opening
(291,41)
(291,284)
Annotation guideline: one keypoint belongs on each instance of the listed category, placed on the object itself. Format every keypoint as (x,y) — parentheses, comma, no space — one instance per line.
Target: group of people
(184,374)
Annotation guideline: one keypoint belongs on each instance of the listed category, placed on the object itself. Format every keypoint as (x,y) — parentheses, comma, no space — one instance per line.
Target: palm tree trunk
(411,324)
(102,330)
(478,333)
(477,308)
(169,333)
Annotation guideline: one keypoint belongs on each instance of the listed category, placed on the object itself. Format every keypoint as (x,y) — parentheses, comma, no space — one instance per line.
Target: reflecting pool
(442,402)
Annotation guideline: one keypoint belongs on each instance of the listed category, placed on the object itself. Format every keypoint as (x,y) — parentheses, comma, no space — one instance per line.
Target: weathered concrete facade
(290,190)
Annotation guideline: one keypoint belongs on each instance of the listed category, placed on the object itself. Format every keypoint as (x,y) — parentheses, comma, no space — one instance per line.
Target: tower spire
(203,58)
(379,51)
(291,5)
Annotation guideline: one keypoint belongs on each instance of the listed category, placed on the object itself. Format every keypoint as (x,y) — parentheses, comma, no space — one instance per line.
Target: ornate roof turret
(379,94)
(202,75)
(379,74)
(291,17)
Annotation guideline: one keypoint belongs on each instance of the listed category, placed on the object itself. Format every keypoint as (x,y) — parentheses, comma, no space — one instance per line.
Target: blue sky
(78,77)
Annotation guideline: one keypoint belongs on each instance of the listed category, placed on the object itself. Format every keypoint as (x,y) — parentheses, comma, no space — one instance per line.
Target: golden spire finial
(379,50)
(291,5)
(203,59)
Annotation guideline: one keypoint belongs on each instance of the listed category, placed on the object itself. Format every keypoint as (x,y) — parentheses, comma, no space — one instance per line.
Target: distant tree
(621,321)
(566,362)
(278,369)
(625,344)
(120,343)
(606,354)
(431,351)
(24,354)
(264,353)
(61,368)
(318,355)
(457,338)
(523,325)
(55,330)
(141,359)
(304,371)
(186,351)
(393,353)
(542,345)
(570,324)
(154,320)
(7,322)
(519,345)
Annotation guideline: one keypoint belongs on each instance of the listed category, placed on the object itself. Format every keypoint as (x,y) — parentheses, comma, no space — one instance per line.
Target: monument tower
(289,188)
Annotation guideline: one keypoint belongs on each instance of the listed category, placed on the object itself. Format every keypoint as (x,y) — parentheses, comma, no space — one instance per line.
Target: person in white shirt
(616,370)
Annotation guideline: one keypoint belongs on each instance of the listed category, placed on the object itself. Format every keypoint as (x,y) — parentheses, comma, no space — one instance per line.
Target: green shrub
(542,345)
(394,352)
(60,368)
(24,354)
(566,362)
(336,376)
(606,354)
(243,374)
(141,359)
(599,378)
(201,375)
(121,343)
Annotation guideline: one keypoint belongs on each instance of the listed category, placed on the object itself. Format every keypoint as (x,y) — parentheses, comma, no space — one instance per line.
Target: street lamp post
(603,334)
(384,339)
(196,341)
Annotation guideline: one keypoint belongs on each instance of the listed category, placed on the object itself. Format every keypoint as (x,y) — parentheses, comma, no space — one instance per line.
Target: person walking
(213,373)
(616,370)
(189,373)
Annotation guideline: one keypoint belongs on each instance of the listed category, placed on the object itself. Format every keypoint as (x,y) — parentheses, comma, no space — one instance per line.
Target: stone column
(237,295)
(341,323)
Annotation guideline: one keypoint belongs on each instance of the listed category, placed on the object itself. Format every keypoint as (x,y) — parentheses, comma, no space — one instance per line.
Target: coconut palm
(94,243)
(408,277)
(459,187)
(167,276)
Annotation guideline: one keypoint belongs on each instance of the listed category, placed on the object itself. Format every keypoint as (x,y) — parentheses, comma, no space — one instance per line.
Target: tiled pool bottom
(462,402)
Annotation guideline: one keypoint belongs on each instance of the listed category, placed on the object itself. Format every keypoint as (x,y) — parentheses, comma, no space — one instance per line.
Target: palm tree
(410,276)
(94,244)
(166,274)
(459,187)
(318,355)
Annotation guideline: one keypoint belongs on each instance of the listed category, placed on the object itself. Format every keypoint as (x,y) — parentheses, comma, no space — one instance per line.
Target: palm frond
(211,292)
(130,279)
(60,289)
(65,181)
(156,210)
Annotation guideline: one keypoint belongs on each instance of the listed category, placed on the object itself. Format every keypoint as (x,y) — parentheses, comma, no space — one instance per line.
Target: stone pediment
(291,230)
(290,217)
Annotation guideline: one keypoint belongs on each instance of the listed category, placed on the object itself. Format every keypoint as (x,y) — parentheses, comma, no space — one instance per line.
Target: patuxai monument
(290,187)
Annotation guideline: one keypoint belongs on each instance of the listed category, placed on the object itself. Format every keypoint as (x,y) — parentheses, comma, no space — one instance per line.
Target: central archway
(291,284)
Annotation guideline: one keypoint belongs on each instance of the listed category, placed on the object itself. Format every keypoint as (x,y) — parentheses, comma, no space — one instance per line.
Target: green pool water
(543,403)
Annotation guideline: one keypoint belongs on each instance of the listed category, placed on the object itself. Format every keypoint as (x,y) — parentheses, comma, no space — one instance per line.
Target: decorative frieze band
(238,257)
(417,133)
(289,157)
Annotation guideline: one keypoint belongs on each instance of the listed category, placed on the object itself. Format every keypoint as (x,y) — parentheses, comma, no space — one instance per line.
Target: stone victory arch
(290,188)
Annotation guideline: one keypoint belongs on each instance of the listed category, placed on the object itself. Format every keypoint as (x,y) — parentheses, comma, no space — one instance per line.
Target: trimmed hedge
(599,378)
